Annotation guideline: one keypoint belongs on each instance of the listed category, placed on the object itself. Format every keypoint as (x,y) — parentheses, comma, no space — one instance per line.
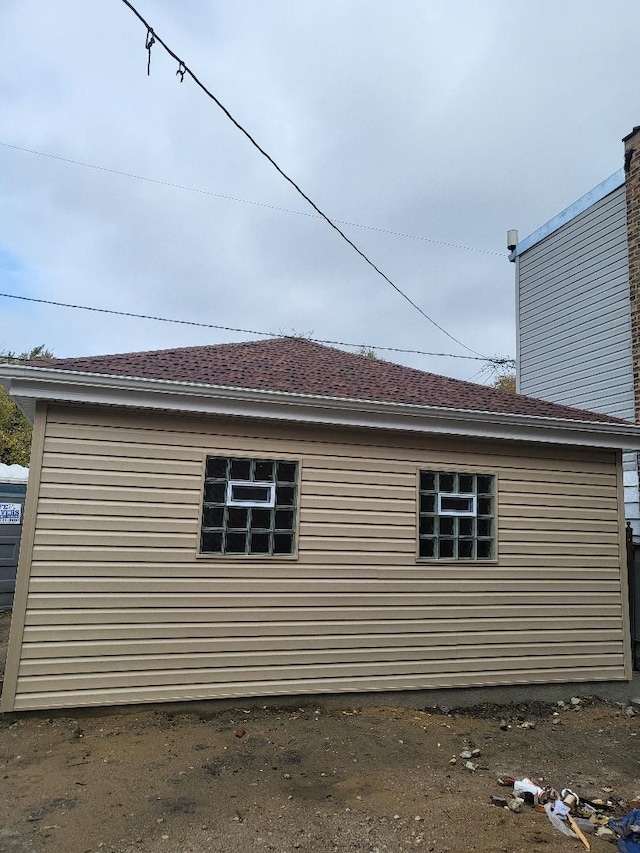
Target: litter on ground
(606,817)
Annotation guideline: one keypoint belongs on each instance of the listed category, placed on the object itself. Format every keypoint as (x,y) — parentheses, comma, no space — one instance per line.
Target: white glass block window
(456,516)
(249,506)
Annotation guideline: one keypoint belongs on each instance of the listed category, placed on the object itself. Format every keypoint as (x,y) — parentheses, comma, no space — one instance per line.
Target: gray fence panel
(10,534)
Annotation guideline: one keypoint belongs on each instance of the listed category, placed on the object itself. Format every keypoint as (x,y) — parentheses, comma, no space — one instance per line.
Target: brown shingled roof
(299,366)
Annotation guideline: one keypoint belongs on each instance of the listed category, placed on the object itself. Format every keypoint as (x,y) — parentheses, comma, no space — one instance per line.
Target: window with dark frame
(249,506)
(456,516)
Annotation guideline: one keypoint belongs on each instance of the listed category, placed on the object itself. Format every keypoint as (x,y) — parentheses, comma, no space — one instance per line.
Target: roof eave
(29,384)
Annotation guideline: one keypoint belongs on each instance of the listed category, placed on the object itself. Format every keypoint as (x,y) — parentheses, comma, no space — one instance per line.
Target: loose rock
(606,833)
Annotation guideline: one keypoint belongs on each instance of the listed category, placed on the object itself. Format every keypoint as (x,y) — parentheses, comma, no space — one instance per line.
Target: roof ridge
(222,344)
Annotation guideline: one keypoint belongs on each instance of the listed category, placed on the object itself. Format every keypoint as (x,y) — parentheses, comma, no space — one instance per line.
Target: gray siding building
(575,317)
(574,343)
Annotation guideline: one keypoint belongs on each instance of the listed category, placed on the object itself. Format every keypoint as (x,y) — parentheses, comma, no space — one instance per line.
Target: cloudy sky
(445,120)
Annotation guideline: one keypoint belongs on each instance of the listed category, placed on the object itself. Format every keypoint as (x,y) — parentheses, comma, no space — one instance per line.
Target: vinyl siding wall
(574,313)
(574,321)
(119,608)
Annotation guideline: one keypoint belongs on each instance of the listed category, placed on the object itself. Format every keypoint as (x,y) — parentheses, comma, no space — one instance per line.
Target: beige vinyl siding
(121,608)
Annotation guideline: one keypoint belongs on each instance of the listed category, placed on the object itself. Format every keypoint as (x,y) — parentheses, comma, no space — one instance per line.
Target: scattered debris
(606,833)
(575,701)
(569,799)
(453,760)
(529,791)
(470,765)
(528,724)
(557,821)
(578,831)
(240,732)
(504,725)
(627,828)
(574,815)
(466,754)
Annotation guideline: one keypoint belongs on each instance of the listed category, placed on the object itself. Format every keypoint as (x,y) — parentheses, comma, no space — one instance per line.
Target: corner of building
(632,190)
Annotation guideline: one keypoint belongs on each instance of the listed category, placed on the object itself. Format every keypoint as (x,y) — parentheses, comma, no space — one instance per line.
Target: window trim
(458,513)
(456,468)
(268,504)
(241,559)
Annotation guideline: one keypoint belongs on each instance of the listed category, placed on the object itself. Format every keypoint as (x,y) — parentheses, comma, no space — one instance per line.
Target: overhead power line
(187,188)
(493,361)
(183,69)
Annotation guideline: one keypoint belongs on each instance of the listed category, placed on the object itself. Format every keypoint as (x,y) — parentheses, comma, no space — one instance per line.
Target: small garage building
(281,517)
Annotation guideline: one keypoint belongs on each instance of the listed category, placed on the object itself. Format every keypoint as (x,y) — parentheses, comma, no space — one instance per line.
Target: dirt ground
(375,779)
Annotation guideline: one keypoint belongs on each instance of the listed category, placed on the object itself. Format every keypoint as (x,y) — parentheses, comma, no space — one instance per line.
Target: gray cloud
(451,120)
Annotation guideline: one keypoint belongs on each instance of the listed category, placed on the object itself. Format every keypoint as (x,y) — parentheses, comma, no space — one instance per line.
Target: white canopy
(13,473)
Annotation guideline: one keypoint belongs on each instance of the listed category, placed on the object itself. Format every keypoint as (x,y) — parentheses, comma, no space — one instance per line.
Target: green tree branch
(15,429)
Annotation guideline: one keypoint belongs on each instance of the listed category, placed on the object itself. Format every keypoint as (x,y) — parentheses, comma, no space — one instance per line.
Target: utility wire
(246,200)
(151,38)
(492,361)
(500,362)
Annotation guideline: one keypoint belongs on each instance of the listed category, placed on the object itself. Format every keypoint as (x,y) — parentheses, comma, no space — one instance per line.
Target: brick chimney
(632,185)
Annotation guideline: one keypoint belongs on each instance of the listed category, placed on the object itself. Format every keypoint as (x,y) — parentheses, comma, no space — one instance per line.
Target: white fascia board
(570,213)
(29,384)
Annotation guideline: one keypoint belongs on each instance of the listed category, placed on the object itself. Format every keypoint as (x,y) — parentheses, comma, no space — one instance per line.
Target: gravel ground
(262,778)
